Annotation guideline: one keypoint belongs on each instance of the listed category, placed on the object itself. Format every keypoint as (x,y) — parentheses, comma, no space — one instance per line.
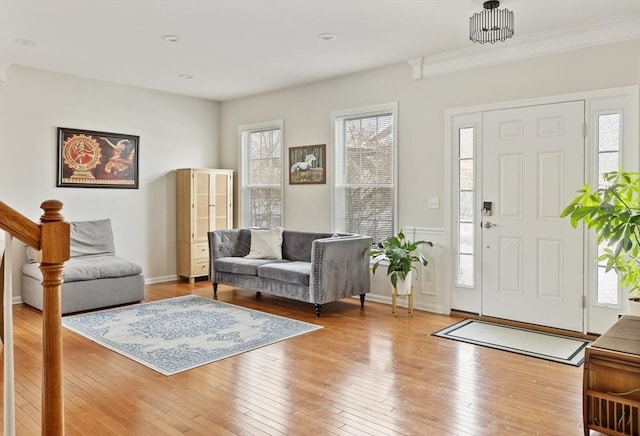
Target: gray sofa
(94,277)
(315,268)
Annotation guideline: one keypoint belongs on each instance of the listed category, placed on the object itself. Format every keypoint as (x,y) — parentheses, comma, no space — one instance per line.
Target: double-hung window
(261,174)
(364,192)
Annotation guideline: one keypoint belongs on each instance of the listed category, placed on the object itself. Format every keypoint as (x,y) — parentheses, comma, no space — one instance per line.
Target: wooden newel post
(55,251)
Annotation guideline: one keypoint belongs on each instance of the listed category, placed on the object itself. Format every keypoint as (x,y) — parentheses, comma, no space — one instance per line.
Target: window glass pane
(369,211)
(609,132)
(465,243)
(466,206)
(608,162)
(466,174)
(465,270)
(265,207)
(607,286)
(466,143)
(277,143)
(274,167)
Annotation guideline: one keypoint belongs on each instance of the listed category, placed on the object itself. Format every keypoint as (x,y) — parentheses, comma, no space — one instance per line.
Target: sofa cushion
(241,265)
(297,245)
(89,268)
(290,272)
(266,244)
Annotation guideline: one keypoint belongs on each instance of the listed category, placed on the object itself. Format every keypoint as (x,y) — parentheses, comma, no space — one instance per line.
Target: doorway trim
(623,98)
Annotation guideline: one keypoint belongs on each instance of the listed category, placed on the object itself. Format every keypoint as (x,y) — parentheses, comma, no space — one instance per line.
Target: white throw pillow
(266,244)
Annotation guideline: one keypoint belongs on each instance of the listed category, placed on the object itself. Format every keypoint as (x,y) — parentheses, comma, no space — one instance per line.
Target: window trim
(244,208)
(365,111)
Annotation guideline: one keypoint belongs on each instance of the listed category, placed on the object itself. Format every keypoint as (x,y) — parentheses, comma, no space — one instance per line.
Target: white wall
(175,131)
(178,131)
(421,105)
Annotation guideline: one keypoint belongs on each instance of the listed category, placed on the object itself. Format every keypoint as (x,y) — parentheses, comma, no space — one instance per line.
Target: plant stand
(394,300)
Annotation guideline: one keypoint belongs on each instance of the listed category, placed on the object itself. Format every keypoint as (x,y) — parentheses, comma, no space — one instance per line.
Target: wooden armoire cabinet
(204,202)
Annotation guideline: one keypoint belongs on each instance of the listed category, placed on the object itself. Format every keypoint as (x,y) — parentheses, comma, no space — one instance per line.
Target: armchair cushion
(89,268)
(90,238)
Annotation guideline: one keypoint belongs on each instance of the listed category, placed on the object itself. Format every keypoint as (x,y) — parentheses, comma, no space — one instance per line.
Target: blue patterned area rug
(518,340)
(177,334)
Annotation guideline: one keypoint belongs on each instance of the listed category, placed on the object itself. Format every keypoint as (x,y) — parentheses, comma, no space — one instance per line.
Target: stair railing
(51,236)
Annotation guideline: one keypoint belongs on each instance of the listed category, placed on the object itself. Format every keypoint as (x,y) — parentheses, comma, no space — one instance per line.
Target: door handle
(489,224)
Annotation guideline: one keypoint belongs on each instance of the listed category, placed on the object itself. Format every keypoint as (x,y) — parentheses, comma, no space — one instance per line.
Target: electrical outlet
(434,202)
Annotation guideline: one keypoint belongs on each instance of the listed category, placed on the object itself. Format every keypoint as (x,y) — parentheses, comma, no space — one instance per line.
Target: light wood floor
(364,373)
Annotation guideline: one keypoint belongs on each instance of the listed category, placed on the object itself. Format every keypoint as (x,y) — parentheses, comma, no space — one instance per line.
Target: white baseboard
(161,279)
(402,302)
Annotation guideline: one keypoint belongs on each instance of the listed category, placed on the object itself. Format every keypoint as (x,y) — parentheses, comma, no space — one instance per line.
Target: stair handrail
(51,236)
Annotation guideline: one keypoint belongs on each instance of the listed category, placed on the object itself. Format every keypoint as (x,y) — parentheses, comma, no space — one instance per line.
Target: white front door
(532,260)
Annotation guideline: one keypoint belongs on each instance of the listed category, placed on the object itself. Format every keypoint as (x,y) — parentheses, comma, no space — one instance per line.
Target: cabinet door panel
(222,202)
(203,205)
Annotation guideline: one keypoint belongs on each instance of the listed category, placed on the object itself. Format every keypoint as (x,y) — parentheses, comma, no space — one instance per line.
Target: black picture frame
(93,159)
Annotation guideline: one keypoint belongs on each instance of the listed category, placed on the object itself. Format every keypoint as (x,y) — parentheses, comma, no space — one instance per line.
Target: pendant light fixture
(492,24)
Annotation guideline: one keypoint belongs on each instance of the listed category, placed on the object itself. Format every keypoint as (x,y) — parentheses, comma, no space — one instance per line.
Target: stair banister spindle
(9,405)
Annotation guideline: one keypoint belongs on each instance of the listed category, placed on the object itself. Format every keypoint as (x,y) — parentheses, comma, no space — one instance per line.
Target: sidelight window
(466,217)
(608,137)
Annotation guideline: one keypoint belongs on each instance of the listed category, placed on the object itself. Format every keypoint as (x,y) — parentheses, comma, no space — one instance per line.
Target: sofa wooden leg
(318,308)
(258,294)
(362,300)
(215,289)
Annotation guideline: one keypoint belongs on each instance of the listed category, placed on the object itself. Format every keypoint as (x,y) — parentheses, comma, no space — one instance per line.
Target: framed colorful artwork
(307,164)
(89,159)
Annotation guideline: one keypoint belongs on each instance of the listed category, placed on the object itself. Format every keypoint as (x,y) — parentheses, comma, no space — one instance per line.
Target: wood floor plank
(364,373)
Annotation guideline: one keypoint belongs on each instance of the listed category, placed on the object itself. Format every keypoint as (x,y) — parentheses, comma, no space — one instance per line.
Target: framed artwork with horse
(308,164)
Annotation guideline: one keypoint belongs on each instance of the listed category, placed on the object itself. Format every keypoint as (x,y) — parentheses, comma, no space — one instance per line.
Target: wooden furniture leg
(394,300)
(410,298)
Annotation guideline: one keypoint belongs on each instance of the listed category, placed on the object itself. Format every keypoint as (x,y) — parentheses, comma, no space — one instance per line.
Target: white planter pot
(404,286)
(633,307)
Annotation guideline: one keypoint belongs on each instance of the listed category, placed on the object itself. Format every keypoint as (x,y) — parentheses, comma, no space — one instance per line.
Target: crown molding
(416,66)
(554,41)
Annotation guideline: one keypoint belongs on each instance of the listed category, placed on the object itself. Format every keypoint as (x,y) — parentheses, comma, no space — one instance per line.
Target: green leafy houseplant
(400,253)
(614,213)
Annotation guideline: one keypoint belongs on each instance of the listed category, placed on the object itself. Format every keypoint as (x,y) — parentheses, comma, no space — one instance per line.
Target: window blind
(364,179)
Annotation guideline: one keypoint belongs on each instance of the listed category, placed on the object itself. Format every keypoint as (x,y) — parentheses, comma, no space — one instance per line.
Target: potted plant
(401,255)
(613,212)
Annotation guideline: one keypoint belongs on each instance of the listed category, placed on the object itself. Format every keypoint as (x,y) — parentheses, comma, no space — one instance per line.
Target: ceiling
(235,48)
